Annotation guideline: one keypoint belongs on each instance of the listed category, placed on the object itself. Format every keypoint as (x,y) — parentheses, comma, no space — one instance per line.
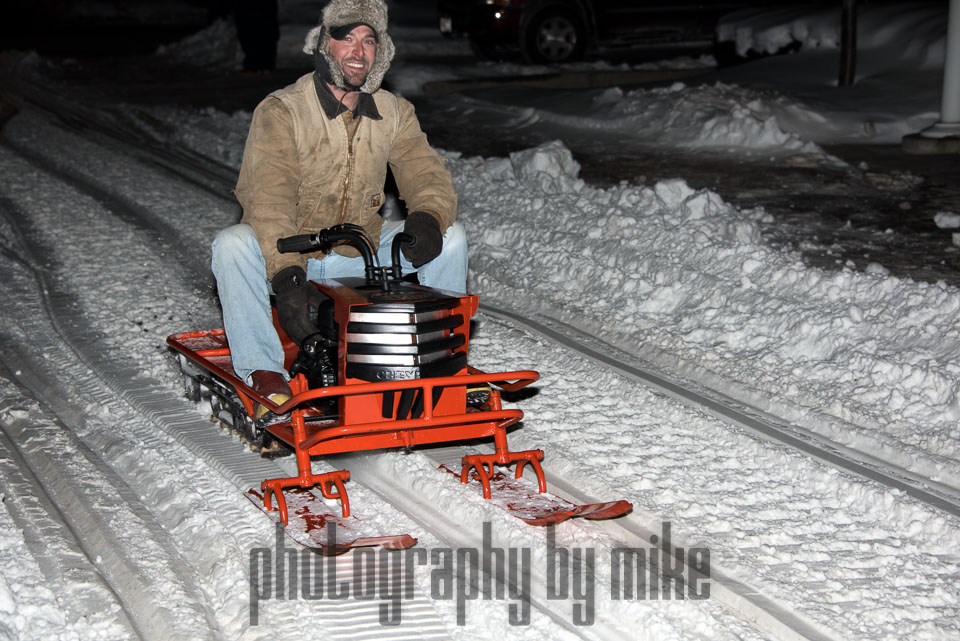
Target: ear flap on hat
(312,40)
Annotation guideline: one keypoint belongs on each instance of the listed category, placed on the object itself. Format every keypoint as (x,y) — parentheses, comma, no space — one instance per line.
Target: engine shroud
(401,332)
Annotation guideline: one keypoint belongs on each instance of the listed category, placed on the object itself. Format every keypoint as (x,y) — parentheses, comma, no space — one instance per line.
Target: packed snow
(673,275)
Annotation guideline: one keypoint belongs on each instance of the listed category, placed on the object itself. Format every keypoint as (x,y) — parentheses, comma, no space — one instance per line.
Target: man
(317,155)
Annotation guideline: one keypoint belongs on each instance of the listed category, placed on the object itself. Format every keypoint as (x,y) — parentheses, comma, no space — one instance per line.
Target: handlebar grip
(299,243)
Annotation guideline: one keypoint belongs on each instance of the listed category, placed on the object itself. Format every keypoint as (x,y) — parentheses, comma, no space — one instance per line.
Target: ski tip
(592,511)
(608,510)
(393,542)
(397,542)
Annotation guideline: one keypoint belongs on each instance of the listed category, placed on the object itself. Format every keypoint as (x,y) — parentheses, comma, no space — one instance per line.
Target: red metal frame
(360,429)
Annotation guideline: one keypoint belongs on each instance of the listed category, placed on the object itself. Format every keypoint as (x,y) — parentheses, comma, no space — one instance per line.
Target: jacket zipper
(346,178)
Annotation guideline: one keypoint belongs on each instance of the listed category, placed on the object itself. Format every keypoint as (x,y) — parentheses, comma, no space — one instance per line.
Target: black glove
(297,303)
(427,239)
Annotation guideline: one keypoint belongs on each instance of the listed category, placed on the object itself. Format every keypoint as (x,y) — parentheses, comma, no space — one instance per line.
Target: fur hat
(340,13)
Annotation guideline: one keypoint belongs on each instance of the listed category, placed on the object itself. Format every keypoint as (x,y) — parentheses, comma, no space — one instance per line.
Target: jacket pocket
(307,203)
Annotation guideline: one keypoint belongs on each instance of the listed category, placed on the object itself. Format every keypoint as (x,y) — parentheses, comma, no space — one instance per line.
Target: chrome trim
(397,339)
(397,318)
(405,360)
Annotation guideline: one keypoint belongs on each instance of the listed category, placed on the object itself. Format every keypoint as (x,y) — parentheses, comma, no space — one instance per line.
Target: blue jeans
(241,274)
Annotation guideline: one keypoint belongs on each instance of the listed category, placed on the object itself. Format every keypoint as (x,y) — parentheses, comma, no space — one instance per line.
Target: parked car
(555,31)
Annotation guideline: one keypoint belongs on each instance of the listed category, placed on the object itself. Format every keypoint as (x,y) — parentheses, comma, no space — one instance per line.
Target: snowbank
(682,277)
(917,34)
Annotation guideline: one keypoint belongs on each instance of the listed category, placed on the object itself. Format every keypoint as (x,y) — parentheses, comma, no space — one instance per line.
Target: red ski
(314,524)
(523,500)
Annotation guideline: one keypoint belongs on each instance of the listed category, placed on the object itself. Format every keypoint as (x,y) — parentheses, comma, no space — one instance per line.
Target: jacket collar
(332,107)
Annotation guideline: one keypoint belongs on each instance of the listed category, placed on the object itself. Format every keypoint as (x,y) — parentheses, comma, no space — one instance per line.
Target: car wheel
(554,36)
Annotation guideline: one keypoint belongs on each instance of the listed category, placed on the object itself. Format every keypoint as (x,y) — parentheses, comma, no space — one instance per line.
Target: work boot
(272,385)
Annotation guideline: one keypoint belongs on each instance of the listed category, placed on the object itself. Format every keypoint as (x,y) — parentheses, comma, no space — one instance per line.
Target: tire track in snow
(124,208)
(632,531)
(59,458)
(756,421)
(115,129)
(703,476)
(64,563)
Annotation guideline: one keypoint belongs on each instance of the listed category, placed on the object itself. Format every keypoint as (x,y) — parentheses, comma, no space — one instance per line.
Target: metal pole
(950,111)
(848,43)
(944,136)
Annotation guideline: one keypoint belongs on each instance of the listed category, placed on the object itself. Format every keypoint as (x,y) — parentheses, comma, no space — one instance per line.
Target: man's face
(355,55)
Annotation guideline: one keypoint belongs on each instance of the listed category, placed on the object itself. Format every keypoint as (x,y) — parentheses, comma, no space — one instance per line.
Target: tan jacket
(301,173)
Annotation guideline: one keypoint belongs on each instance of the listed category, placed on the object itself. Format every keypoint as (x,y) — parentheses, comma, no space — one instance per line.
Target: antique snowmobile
(387,368)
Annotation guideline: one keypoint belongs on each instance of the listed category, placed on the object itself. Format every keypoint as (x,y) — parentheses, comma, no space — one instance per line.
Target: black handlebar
(300,243)
(352,235)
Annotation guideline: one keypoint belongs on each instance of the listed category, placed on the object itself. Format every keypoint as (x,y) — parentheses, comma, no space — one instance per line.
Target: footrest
(331,484)
(483,464)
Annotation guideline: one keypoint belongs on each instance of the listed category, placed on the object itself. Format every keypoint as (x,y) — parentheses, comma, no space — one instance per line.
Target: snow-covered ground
(674,275)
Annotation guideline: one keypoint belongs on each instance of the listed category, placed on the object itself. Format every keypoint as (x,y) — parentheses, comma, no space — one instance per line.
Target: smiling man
(355,53)
(316,156)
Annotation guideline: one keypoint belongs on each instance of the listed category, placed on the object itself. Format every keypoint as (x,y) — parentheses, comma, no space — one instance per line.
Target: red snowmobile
(386,369)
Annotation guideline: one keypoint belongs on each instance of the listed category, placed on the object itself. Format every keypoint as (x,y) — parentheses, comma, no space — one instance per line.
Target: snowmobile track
(634,531)
(127,211)
(731,411)
(133,138)
(55,459)
(59,551)
(83,520)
